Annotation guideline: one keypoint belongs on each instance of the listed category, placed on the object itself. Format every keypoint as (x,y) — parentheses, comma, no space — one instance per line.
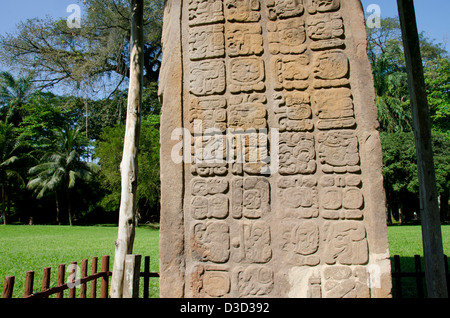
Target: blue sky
(432,15)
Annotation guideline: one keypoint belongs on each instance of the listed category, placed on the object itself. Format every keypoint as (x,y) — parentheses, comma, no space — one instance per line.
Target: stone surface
(270,156)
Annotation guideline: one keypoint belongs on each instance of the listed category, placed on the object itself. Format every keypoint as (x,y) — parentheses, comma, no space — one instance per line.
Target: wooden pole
(46,278)
(29,281)
(429,207)
(104,283)
(72,279)
(129,164)
(83,287)
(60,282)
(94,282)
(131,276)
(146,276)
(8,287)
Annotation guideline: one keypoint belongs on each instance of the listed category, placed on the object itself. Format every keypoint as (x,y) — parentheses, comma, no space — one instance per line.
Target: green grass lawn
(406,241)
(24,247)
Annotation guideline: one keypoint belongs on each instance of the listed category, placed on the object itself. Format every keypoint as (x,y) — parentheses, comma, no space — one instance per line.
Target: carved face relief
(207,78)
(205,12)
(254,281)
(242,10)
(244,39)
(338,150)
(297,153)
(323,5)
(211,241)
(346,243)
(285,8)
(210,281)
(291,72)
(206,42)
(287,36)
(247,70)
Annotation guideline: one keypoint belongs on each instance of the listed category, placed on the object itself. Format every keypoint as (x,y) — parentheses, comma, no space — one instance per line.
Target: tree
(441,148)
(385,50)
(400,174)
(386,55)
(437,80)
(108,152)
(90,54)
(13,94)
(9,148)
(129,165)
(42,115)
(62,167)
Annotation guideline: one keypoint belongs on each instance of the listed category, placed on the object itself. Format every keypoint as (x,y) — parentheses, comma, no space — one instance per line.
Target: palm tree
(13,94)
(385,51)
(9,147)
(62,167)
(392,95)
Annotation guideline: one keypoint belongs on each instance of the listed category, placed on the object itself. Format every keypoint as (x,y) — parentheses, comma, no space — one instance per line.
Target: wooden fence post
(84,265)
(94,282)
(146,276)
(419,278)
(29,280)
(61,275)
(447,274)
(46,278)
(131,275)
(105,279)
(8,287)
(72,279)
(398,279)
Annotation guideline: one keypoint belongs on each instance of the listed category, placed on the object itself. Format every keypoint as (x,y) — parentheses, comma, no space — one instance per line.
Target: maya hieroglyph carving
(270,157)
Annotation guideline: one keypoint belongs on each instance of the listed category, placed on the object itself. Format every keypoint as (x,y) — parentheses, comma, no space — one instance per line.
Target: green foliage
(10,145)
(441,149)
(13,94)
(386,54)
(385,51)
(61,167)
(437,80)
(109,150)
(399,163)
(400,168)
(42,116)
(57,136)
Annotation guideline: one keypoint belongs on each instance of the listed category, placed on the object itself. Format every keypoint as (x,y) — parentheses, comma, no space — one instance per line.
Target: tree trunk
(129,165)
(3,204)
(401,216)
(443,205)
(389,214)
(57,209)
(68,208)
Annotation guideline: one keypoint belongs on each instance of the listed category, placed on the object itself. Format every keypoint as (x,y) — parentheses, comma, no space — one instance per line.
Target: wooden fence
(73,282)
(418,275)
(134,263)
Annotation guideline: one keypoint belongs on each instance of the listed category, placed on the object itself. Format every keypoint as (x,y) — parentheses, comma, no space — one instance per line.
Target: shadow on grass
(408,278)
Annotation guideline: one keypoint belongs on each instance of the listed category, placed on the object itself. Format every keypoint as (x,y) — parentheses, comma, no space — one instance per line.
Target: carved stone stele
(271,182)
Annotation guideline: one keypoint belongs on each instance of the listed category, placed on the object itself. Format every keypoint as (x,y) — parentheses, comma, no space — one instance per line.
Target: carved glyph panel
(278,181)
